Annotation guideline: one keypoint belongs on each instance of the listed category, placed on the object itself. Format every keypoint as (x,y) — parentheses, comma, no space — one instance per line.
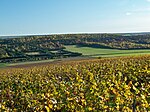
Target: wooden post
(134,105)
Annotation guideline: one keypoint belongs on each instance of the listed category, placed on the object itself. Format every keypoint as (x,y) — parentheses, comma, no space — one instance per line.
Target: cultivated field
(100,52)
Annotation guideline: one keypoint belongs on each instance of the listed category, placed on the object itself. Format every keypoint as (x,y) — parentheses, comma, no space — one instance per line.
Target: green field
(31,62)
(2,65)
(96,52)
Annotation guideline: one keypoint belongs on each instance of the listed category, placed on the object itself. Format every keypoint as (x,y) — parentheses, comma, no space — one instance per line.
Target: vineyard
(106,84)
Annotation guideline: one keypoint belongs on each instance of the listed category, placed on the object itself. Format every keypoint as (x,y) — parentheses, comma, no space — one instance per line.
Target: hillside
(32,48)
(108,84)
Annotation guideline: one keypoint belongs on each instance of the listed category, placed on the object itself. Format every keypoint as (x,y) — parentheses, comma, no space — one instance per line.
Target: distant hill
(39,47)
(123,34)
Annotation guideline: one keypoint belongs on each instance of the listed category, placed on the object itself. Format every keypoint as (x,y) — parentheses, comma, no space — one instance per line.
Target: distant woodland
(31,48)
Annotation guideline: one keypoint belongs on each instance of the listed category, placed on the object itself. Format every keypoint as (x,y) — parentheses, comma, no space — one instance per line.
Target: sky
(22,17)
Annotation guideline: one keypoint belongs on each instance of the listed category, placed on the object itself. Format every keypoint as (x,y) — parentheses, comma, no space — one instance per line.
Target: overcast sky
(18,17)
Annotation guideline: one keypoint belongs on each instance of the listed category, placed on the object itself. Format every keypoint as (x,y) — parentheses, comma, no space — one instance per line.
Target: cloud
(142,9)
(128,13)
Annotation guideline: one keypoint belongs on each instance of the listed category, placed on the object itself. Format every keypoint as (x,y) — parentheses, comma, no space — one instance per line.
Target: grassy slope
(2,65)
(95,52)
(30,62)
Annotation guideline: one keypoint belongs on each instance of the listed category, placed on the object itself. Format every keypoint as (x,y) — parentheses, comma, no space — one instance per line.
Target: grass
(2,65)
(30,62)
(96,52)
(32,53)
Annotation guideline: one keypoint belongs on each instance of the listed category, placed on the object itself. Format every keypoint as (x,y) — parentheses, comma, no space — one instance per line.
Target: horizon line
(72,33)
